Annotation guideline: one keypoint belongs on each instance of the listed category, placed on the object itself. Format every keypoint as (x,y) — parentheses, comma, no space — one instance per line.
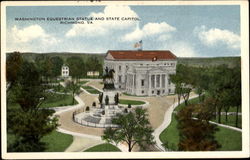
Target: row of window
(65,68)
(65,72)
(157,92)
(165,64)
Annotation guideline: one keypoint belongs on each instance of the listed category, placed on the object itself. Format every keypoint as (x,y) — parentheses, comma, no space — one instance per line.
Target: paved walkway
(166,122)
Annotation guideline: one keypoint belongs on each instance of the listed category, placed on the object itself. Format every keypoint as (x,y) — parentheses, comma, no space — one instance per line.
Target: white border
(63,155)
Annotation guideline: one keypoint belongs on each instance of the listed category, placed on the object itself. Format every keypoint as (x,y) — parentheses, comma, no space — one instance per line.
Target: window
(169,90)
(120,79)
(119,86)
(163,91)
(158,81)
(163,80)
(169,82)
(153,92)
(142,91)
(120,68)
(153,81)
(142,82)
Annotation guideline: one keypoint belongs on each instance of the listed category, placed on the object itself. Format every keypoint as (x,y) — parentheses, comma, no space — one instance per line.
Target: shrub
(87,108)
(129,106)
(125,110)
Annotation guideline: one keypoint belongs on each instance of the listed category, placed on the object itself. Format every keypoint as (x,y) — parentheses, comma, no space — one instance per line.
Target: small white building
(93,73)
(65,71)
(142,72)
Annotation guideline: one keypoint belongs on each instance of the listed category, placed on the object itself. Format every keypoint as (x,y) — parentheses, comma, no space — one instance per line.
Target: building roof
(140,55)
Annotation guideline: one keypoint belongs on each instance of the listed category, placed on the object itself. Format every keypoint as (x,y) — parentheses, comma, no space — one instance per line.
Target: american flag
(138,44)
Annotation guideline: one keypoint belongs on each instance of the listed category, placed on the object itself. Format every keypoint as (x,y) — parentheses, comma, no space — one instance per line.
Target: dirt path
(67,123)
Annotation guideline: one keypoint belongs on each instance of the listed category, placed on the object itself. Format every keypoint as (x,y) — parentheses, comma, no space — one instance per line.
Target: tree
(182,82)
(74,87)
(28,90)
(93,64)
(44,65)
(57,63)
(13,66)
(196,134)
(134,128)
(28,121)
(75,64)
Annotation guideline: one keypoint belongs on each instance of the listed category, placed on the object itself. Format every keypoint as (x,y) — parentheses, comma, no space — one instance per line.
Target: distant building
(93,73)
(141,72)
(65,71)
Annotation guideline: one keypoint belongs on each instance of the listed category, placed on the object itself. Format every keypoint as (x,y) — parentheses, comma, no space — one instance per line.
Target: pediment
(109,56)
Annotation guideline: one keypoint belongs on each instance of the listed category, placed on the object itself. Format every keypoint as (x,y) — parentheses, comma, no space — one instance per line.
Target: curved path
(166,122)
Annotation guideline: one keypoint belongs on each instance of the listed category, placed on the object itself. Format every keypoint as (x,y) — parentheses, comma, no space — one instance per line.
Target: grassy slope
(105,147)
(91,89)
(55,141)
(58,100)
(229,139)
(132,102)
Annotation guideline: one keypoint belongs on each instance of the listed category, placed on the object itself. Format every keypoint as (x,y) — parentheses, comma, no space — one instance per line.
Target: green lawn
(82,82)
(59,88)
(230,120)
(182,105)
(91,89)
(132,102)
(229,139)
(105,147)
(57,100)
(126,94)
(55,141)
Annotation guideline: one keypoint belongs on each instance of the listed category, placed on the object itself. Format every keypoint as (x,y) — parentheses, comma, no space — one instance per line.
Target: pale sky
(187,31)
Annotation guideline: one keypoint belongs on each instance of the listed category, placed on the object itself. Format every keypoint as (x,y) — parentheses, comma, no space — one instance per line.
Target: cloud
(181,49)
(30,33)
(214,36)
(102,27)
(30,38)
(150,29)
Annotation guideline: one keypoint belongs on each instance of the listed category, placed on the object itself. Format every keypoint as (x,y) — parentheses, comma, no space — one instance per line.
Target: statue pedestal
(111,94)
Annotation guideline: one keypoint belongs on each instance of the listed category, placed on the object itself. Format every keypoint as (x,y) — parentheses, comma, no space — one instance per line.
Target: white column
(149,85)
(155,81)
(160,80)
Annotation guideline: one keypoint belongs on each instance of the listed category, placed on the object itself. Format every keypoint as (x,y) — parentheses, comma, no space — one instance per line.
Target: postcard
(127,79)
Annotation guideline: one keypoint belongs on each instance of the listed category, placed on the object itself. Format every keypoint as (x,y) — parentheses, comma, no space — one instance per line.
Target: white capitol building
(142,72)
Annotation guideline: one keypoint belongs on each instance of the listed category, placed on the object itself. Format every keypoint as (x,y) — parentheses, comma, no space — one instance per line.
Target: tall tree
(13,65)
(196,134)
(75,64)
(93,64)
(134,128)
(74,87)
(28,122)
(57,63)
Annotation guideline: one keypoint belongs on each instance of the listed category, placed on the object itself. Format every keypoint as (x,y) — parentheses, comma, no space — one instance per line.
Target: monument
(102,114)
